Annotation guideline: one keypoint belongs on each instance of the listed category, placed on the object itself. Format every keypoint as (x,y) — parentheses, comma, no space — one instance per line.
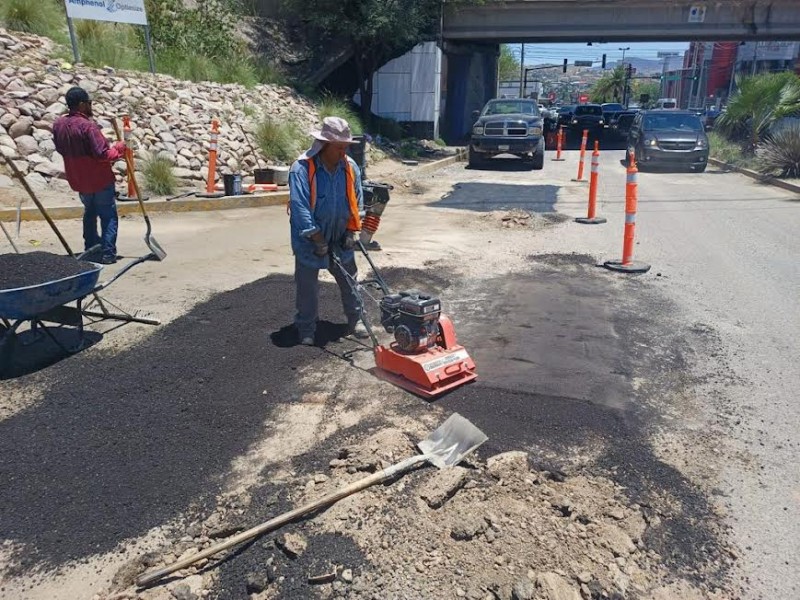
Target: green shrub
(267,72)
(283,141)
(110,44)
(158,176)
(42,17)
(408,149)
(780,153)
(440,142)
(725,150)
(330,106)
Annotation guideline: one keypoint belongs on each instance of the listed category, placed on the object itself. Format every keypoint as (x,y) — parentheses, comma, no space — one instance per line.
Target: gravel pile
(33,268)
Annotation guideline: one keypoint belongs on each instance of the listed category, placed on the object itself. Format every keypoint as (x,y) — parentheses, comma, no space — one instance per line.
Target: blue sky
(555,53)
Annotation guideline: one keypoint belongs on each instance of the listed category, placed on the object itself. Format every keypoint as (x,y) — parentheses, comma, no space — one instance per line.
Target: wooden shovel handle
(129,164)
(287,517)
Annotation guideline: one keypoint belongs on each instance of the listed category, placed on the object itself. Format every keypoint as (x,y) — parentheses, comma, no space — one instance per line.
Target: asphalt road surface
(686,374)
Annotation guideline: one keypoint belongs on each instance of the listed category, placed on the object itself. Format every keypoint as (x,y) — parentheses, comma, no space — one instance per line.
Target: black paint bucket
(233,184)
(264,175)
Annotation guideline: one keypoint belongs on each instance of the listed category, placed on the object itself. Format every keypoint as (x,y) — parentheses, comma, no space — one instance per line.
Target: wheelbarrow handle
(124,270)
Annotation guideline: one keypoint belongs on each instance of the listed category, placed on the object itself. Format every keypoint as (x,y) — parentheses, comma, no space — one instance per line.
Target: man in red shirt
(87,163)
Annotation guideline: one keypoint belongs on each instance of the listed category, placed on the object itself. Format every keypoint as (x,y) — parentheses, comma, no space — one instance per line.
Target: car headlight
(702,144)
(650,142)
(478,130)
(601,121)
(535,130)
(574,121)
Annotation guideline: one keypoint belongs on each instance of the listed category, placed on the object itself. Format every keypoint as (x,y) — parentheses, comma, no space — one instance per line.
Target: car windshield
(565,109)
(511,107)
(588,110)
(672,121)
(613,107)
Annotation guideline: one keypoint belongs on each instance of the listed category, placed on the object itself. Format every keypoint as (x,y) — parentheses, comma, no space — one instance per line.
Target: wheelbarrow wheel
(8,341)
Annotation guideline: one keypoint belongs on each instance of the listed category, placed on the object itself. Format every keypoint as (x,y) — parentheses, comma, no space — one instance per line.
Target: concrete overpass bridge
(471,34)
(539,21)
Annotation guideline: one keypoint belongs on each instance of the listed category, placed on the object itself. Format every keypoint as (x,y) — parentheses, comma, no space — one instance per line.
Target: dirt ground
(158,441)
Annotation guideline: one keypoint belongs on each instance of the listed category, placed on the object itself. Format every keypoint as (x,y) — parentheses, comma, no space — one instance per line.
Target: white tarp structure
(408,89)
(118,11)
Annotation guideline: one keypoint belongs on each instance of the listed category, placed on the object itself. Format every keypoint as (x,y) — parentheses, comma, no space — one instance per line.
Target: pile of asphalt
(34,268)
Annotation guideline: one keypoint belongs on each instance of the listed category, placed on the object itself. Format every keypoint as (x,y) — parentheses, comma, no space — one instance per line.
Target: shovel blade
(451,442)
(155,248)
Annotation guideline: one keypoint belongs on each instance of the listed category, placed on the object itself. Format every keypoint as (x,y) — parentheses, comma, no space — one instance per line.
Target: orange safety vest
(354,223)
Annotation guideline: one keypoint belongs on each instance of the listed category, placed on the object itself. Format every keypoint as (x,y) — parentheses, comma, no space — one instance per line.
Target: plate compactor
(425,357)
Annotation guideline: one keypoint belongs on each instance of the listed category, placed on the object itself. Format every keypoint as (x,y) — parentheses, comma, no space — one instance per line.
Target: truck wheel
(474,161)
(537,164)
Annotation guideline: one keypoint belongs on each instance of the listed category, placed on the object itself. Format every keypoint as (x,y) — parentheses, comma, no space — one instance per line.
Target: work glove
(320,249)
(349,240)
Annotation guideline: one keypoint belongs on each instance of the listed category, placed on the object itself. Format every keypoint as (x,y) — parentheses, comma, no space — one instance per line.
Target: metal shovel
(158,252)
(445,447)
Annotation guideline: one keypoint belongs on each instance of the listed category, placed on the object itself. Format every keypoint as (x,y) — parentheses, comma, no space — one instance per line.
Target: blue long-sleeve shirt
(331,210)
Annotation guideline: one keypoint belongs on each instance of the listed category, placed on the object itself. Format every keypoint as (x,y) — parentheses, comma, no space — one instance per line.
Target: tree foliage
(509,67)
(645,87)
(376,30)
(759,103)
(610,87)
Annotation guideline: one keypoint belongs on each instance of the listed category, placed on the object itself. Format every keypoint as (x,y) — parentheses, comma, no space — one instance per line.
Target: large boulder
(20,127)
(26,145)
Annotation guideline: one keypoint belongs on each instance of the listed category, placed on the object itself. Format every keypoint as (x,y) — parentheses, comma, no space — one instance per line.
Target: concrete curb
(199,204)
(129,208)
(765,179)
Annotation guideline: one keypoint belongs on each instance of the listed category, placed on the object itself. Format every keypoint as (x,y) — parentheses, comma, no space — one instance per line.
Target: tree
(759,103)
(610,87)
(645,87)
(509,67)
(376,30)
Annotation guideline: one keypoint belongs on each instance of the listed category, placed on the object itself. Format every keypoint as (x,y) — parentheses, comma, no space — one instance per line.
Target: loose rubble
(497,530)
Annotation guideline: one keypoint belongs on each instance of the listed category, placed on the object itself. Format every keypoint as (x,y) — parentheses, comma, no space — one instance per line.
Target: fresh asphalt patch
(127,442)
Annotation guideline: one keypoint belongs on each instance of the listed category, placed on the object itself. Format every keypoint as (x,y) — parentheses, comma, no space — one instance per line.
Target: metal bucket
(280,175)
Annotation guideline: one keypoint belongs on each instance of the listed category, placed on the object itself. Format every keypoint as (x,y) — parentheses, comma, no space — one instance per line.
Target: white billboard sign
(118,11)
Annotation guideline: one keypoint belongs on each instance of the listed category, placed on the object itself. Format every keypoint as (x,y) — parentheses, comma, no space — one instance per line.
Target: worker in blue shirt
(325,204)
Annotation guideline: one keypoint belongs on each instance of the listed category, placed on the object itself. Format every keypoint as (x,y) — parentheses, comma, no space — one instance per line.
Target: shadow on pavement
(31,352)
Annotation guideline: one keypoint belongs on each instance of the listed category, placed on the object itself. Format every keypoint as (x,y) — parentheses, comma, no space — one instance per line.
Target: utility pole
(522,72)
(755,54)
(699,98)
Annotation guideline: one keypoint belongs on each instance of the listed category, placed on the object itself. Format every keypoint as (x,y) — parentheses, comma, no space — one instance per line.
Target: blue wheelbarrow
(46,302)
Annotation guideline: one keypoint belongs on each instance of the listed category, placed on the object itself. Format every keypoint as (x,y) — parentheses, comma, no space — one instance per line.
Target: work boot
(357,329)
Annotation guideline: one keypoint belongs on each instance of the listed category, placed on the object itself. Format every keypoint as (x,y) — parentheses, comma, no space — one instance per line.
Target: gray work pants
(307,300)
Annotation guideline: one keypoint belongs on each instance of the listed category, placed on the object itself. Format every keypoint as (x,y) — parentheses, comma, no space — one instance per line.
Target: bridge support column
(471,81)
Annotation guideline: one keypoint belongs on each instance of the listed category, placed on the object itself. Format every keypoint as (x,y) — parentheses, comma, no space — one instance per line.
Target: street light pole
(624,50)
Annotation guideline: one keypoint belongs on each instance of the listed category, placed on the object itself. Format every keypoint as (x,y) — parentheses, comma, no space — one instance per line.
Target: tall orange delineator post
(594,177)
(213,146)
(559,144)
(582,160)
(627,264)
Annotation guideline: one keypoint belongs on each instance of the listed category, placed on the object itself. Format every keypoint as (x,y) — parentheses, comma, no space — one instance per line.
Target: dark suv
(587,116)
(668,137)
(508,126)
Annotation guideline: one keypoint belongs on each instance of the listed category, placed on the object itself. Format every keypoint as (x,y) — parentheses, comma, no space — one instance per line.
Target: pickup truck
(508,126)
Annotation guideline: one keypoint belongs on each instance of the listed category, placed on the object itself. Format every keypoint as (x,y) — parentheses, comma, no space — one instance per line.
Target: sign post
(131,12)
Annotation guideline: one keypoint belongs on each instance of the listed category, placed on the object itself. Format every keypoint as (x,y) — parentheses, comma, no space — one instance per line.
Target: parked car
(587,116)
(508,127)
(610,112)
(668,137)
